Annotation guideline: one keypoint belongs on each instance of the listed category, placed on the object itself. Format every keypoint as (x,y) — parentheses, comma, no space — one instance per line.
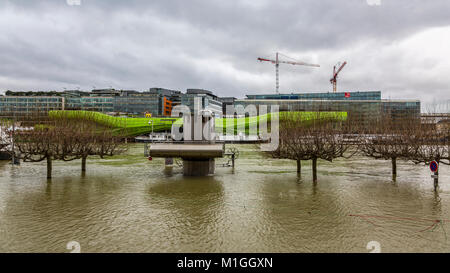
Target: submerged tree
(66,139)
(388,141)
(431,144)
(91,140)
(391,140)
(312,139)
(42,144)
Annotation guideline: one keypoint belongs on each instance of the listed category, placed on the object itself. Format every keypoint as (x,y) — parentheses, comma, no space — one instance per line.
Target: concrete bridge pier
(198,148)
(198,167)
(198,158)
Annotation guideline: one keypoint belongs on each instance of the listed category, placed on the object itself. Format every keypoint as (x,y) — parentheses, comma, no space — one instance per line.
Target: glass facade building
(208,100)
(98,104)
(29,105)
(139,104)
(355,95)
(364,107)
(157,101)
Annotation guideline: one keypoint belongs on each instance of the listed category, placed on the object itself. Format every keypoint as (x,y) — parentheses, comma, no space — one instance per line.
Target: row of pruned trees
(406,139)
(65,138)
(402,139)
(310,140)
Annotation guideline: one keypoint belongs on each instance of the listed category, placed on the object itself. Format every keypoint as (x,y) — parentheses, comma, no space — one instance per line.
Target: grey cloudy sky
(401,47)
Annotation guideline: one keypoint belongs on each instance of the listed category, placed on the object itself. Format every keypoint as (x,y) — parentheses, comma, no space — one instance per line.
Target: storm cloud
(400,47)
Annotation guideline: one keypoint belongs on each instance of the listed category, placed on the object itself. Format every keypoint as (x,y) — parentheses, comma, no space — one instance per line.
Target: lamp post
(151,122)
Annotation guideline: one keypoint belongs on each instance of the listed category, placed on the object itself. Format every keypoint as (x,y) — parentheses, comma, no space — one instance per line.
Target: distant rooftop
(163,91)
(199,91)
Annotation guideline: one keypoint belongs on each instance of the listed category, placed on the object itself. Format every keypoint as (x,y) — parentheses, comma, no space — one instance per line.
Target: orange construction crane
(277,63)
(333,79)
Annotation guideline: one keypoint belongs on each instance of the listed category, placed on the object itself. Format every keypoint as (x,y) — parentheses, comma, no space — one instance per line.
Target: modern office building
(81,100)
(29,105)
(138,104)
(156,101)
(110,92)
(166,100)
(356,95)
(363,107)
(225,102)
(207,99)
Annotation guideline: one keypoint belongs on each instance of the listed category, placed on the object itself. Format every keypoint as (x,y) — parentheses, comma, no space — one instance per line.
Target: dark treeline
(33,93)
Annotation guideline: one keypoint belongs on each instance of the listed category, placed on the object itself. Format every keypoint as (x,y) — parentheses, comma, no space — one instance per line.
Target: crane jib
(277,63)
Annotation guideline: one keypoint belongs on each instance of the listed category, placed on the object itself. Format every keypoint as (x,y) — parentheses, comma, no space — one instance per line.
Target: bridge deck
(194,151)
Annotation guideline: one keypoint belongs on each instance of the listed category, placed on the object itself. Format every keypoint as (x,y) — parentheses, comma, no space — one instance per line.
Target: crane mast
(277,74)
(277,67)
(333,79)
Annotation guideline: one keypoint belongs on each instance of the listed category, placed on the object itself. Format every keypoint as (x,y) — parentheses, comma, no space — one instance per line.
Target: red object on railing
(347,95)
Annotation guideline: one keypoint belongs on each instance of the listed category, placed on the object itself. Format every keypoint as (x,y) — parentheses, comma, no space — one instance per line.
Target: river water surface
(130,204)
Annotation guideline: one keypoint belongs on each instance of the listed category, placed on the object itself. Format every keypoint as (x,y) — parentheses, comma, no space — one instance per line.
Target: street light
(151,122)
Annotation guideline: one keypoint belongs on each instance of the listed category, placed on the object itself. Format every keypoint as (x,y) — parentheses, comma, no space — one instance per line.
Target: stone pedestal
(198,167)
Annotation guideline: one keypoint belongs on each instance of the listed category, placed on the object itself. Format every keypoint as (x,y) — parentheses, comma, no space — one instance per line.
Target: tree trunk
(299,166)
(394,167)
(49,167)
(314,169)
(83,164)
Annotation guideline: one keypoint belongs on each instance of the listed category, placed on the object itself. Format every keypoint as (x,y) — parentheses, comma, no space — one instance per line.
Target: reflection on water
(130,204)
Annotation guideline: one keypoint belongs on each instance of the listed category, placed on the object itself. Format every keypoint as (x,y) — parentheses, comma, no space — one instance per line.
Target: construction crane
(277,63)
(333,79)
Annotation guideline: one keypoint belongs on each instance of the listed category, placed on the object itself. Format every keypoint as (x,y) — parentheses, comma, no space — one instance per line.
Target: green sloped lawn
(139,126)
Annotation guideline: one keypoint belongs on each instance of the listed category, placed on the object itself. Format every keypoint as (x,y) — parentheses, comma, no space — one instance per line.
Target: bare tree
(319,138)
(391,140)
(90,138)
(66,139)
(42,144)
(431,144)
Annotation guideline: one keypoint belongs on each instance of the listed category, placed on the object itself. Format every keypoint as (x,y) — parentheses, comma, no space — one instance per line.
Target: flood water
(130,204)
